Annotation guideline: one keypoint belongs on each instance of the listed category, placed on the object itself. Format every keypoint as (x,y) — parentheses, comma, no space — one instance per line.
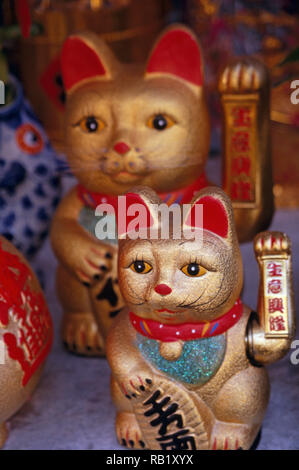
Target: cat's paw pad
(272,243)
(128,431)
(81,336)
(243,76)
(136,385)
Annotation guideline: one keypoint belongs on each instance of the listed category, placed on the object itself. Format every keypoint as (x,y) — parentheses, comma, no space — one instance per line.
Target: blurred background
(267,29)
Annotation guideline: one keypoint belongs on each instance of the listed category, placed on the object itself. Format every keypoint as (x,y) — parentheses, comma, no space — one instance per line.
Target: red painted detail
(165,310)
(79,62)
(51,83)
(187,331)
(143,222)
(177,53)
(273,240)
(123,389)
(132,385)
(93,265)
(23,14)
(27,309)
(214,444)
(140,380)
(214,216)
(29,139)
(226,444)
(163,289)
(121,147)
(237,444)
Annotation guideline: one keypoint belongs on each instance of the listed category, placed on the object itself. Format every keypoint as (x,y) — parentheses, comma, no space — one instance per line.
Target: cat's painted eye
(141,267)
(92,124)
(193,270)
(160,122)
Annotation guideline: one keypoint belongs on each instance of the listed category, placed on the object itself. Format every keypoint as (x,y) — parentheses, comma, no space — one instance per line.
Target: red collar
(181,196)
(187,331)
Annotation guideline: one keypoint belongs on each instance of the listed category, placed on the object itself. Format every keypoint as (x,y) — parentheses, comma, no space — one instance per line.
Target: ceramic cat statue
(187,356)
(140,125)
(26,333)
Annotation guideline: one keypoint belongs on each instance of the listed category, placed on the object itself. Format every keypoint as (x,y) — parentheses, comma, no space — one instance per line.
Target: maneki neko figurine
(147,125)
(187,356)
(25,333)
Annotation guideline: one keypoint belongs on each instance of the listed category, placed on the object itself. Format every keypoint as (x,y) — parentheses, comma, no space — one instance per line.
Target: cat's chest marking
(199,361)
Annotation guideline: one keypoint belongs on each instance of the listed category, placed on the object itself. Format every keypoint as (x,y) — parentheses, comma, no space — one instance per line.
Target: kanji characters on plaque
(275,297)
(240,148)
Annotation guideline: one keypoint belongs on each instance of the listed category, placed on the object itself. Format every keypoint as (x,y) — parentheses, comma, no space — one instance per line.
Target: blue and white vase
(29,182)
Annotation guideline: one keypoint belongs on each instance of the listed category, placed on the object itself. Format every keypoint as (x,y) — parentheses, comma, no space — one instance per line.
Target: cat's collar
(181,196)
(187,331)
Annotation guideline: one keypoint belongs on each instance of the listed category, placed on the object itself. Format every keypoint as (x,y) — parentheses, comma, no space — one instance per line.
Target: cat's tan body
(126,150)
(237,382)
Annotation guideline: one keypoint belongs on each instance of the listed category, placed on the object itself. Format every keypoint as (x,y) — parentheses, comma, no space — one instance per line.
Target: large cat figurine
(148,125)
(186,354)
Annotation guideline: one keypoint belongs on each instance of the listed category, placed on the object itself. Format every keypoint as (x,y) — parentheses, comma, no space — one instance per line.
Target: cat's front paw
(137,384)
(80,334)
(243,76)
(231,436)
(272,243)
(128,431)
(93,262)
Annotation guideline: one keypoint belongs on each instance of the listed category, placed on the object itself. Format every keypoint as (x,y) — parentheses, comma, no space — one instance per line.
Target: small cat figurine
(136,125)
(186,354)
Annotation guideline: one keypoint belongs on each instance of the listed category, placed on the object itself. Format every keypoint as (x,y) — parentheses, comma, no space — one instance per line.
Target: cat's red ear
(177,53)
(136,213)
(216,213)
(85,57)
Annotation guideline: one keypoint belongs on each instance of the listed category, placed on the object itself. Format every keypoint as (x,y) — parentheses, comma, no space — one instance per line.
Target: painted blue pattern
(29,184)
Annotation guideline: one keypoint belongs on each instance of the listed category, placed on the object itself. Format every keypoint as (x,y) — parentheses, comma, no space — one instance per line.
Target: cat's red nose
(163,289)
(121,147)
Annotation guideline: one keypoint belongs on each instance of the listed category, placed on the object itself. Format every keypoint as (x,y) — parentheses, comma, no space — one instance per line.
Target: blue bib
(199,361)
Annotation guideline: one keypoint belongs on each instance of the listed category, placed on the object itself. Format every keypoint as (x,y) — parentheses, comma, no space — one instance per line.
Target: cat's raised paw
(243,76)
(128,431)
(81,336)
(272,243)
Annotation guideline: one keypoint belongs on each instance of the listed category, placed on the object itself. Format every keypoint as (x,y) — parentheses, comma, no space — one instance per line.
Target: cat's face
(200,279)
(131,125)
